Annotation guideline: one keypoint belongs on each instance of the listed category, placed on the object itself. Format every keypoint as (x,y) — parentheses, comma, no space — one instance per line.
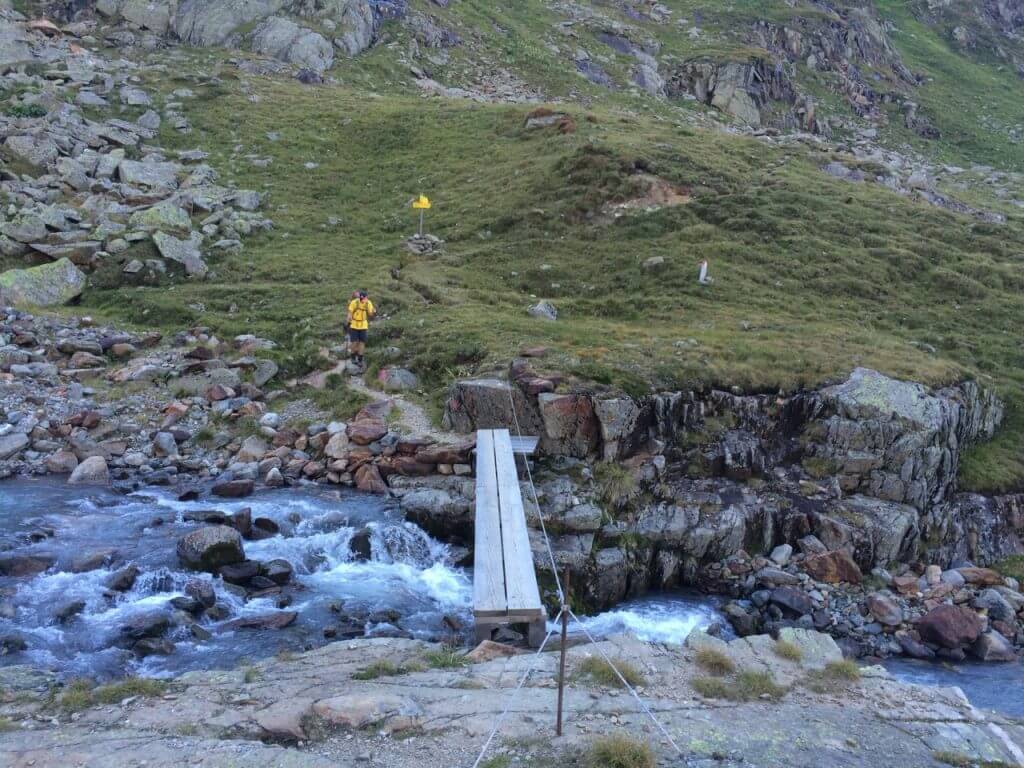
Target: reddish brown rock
(366,431)
(833,567)
(405,465)
(445,454)
(173,413)
(219,392)
(408,446)
(368,479)
(981,577)
(906,585)
(285,437)
(950,626)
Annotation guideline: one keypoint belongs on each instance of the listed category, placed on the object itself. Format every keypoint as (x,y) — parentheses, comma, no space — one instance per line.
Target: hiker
(348,330)
(360,310)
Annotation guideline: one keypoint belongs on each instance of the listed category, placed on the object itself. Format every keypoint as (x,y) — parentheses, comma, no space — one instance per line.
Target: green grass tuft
(1012,566)
(617,484)
(834,677)
(82,693)
(619,752)
(385,668)
(446,658)
(600,672)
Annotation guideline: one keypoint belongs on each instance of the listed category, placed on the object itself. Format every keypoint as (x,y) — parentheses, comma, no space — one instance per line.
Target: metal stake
(561,661)
(421,222)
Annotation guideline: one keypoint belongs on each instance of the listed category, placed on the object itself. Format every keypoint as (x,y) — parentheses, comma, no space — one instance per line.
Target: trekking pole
(561,661)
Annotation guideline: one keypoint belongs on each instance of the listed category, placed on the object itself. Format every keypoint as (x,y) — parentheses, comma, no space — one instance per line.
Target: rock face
(47,285)
(896,440)
(207,549)
(208,23)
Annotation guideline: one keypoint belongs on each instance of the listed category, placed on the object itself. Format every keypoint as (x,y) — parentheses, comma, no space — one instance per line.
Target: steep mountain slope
(850,170)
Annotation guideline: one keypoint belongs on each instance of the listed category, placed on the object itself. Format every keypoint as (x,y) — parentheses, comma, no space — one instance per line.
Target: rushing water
(667,617)
(408,573)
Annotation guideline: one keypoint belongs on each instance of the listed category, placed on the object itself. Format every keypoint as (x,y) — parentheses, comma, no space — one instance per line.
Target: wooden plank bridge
(504,580)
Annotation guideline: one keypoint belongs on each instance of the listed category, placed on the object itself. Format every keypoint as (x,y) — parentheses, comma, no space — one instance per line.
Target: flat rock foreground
(395,702)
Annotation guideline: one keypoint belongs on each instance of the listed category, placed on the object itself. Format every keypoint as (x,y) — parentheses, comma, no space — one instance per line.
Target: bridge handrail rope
(504,713)
(625,682)
(564,610)
(536,505)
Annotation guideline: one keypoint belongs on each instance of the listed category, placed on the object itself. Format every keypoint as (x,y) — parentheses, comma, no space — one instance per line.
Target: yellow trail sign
(422,203)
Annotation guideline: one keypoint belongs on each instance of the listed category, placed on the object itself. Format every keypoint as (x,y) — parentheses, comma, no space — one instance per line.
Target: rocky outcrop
(741,89)
(354,24)
(895,440)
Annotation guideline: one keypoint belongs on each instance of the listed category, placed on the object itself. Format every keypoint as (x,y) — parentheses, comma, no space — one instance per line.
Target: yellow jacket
(360,312)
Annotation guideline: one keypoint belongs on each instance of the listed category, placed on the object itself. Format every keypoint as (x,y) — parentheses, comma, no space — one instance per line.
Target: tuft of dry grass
(619,752)
(747,685)
(788,650)
(715,662)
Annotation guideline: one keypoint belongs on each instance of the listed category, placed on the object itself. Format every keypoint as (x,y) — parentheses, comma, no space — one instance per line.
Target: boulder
(950,626)
(124,579)
(93,470)
(285,40)
(275,620)
(368,479)
(792,599)
(207,549)
(543,310)
(184,252)
(570,425)
(992,646)
(201,591)
(44,286)
(37,151)
(397,379)
(833,567)
(998,608)
(338,446)
(25,565)
(160,176)
(165,215)
(12,444)
(253,449)
(488,650)
(885,610)
(366,431)
(233,489)
(149,624)
(59,463)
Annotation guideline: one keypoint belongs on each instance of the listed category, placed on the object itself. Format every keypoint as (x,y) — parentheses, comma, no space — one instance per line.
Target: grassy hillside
(813,275)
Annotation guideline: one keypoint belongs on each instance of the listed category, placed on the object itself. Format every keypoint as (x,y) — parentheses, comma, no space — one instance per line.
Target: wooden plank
(524,444)
(520,577)
(488,568)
